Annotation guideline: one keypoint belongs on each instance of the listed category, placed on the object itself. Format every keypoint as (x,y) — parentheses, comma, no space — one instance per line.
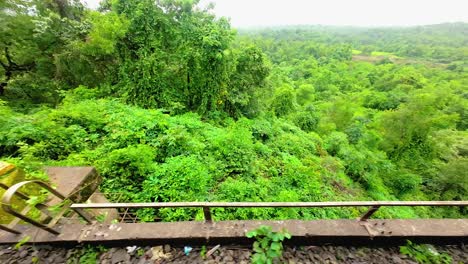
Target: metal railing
(206,206)
(80,208)
(48,222)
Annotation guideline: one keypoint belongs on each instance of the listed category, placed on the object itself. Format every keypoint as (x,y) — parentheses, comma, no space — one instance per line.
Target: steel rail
(206,206)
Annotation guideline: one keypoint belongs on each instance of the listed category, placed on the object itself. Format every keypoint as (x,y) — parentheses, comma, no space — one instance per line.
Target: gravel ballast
(224,254)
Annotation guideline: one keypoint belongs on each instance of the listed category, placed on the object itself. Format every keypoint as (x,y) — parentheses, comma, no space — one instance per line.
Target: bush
(125,169)
(269,244)
(284,101)
(307,121)
(405,183)
(335,142)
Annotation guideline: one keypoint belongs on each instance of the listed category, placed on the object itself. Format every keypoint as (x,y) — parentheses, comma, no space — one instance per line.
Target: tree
(284,101)
(452,181)
(16,32)
(32,34)
(247,83)
(406,131)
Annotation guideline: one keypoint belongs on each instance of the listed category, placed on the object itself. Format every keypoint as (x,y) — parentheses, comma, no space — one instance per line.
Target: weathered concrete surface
(80,184)
(108,214)
(76,183)
(347,232)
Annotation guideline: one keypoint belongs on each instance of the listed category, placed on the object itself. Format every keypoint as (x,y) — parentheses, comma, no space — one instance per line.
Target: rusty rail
(374,205)
(7,206)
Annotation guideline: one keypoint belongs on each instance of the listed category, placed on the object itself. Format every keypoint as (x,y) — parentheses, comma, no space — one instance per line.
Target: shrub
(425,254)
(405,183)
(268,245)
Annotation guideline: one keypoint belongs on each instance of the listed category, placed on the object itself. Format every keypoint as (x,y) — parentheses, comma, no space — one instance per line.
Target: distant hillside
(446,42)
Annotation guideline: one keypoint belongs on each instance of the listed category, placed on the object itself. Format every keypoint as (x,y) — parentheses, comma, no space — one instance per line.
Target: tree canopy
(170,103)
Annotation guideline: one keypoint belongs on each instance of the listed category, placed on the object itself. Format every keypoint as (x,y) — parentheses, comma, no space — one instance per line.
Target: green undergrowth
(171,103)
(425,254)
(149,156)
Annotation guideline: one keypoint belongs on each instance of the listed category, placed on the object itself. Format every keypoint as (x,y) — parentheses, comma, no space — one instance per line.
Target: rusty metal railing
(80,208)
(206,206)
(47,223)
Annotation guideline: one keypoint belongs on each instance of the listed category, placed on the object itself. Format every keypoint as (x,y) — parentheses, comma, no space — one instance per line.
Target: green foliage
(22,241)
(101,217)
(335,142)
(170,104)
(106,31)
(425,254)
(94,61)
(140,252)
(132,164)
(307,120)
(87,255)
(29,43)
(203,252)
(169,54)
(284,101)
(405,183)
(451,181)
(179,179)
(268,245)
(442,42)
(175,55)
(383,100)
(247,86)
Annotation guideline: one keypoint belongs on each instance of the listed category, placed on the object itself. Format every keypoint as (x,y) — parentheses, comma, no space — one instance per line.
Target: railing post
(207,214)
(369,213)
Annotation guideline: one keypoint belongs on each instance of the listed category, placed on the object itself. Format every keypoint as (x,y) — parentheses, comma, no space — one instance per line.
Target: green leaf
(256,247)
(264,242)
(273,253)
(275,246)
(252,234)
(259,258)
(277,237)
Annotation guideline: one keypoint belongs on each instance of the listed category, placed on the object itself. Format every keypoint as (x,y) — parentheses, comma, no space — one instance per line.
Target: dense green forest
(170,103)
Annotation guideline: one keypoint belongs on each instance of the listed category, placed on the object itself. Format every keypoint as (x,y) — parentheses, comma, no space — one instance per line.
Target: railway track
(75,186)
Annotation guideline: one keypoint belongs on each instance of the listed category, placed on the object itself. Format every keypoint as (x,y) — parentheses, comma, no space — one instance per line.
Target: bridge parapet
(75,185)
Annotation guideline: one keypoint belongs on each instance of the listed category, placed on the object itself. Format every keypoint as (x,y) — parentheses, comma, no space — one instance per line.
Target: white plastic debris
(132,249)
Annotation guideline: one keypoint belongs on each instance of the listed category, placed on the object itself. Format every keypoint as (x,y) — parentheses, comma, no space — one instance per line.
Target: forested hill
(170,103)
(442,42)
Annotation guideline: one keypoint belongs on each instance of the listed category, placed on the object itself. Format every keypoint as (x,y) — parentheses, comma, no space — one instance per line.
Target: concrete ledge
(76,183)
(319,232)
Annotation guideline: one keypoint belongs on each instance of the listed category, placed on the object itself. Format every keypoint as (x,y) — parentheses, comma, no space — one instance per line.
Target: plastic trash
(187,250)
(130,250)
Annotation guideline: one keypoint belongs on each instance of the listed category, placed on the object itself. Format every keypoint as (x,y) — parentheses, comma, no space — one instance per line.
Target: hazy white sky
(245,13)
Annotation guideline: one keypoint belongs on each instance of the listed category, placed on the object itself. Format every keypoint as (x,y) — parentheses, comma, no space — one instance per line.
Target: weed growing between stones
(269,244)
(425,254)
